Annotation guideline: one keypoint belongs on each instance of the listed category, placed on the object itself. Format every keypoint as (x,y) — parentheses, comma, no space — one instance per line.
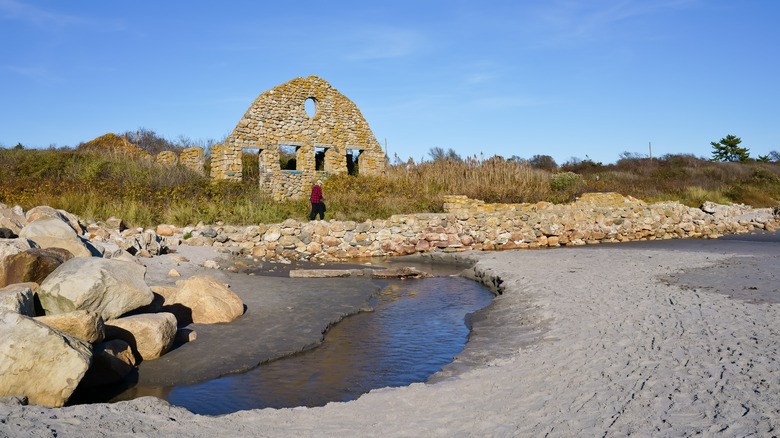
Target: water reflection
(417,329)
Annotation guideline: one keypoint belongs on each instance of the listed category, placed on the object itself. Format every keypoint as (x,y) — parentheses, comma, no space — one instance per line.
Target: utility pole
(650,146)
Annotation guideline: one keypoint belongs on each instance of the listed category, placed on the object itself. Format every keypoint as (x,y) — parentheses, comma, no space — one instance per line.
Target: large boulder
(81,324)
(97,233)
(115,223)
(12,218)
(165,230)
(109,287)
(150,335)
(141,243)
(204,298)
(38,362)
(710,207)
(51,232)
(46,212)
(111,362)
(10,247)
(18,298)
(32,265)
(115,253)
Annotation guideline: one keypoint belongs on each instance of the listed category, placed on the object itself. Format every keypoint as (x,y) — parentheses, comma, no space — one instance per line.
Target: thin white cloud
(480,78)
(563,22)
(16,10)
(410,103)
(383,43)
(480,72)
(504,102)
(37,74)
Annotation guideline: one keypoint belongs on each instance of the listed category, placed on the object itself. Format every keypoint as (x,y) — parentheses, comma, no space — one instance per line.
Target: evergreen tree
(728,149)
(437,153)
(543,162)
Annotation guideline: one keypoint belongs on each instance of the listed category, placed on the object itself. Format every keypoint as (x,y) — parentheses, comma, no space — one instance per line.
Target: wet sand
(668,338)
(283,316)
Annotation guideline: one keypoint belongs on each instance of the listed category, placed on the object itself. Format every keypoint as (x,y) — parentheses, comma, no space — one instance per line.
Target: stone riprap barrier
(469,224)
(78,312)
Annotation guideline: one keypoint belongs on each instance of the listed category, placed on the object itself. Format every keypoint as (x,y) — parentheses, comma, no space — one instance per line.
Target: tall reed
(98,185)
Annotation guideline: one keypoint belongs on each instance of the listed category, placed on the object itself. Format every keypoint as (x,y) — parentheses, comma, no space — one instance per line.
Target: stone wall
(473,225)
(225,162)
(278,118)
(167,158)
(192,158)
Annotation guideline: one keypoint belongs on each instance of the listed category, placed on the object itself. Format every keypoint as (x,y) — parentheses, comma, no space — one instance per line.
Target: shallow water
(417,328)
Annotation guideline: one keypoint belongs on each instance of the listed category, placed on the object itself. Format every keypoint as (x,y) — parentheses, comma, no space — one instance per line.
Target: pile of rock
(116,145)
(54,228)
(473,225)
(73,314)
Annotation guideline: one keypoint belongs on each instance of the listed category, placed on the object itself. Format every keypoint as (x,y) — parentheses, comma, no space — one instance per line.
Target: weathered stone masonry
(278,117)
(191,158)
(473,225)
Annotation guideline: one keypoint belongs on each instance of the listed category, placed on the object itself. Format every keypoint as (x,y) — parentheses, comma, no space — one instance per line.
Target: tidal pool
(417,327)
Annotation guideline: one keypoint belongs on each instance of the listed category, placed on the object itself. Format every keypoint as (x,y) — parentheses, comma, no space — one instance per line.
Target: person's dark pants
(316,209)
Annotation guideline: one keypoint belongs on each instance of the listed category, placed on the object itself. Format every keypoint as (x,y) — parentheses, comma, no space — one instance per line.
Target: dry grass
(99,185)
(687,179)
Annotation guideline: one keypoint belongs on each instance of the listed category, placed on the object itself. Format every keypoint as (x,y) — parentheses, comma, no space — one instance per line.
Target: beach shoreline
(582,341)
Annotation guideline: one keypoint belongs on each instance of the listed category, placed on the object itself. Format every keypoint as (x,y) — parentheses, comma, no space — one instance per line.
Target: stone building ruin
(334,139)
(192,158)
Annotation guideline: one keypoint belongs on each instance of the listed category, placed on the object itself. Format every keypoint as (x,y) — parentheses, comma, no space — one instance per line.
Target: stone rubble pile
(73,314)
(474,225)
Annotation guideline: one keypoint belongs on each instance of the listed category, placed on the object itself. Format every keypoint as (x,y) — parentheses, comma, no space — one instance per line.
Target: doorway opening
(250,164)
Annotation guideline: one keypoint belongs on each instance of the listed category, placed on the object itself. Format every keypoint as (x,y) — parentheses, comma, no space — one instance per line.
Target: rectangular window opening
(352,161)
(250,164)
(319,159)
(287,159)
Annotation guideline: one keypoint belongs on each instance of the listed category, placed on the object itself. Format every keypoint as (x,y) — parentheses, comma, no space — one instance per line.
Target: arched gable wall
(278,118)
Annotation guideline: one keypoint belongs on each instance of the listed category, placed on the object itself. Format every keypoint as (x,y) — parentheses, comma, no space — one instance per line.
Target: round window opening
(311,107)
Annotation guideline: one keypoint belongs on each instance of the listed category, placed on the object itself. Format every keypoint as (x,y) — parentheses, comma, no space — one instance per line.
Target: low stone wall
(287,184)
(473,225)
(192,158)
(167,158)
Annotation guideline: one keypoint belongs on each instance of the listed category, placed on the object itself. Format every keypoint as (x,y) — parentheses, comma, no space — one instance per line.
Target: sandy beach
(671,338)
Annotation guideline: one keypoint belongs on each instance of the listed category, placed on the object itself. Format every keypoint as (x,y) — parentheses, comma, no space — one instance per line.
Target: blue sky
(564,78)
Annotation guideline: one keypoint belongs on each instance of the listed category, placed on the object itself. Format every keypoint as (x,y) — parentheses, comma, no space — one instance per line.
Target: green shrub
(764,175)
(566,181)
(696,196)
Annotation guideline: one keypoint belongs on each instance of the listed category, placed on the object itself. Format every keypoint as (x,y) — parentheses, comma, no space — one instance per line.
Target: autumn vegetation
(97,184)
